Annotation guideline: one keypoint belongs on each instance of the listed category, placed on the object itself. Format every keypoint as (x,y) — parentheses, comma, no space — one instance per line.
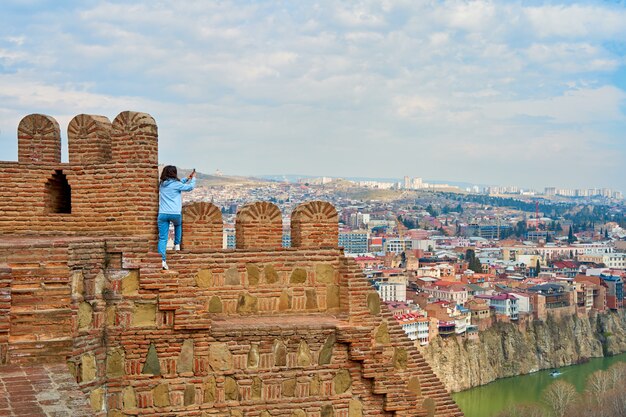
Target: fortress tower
(256,331)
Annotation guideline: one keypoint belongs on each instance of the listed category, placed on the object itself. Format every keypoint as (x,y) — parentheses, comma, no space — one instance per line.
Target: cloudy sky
(528,93)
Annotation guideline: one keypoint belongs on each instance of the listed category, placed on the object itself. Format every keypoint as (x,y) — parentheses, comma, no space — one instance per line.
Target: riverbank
(491,399)
(507,349)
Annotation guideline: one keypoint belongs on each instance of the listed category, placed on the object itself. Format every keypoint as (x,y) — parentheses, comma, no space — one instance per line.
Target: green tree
(538,268)
(570,236)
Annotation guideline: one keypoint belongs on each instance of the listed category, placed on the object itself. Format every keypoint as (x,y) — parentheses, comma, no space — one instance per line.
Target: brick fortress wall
(259,331)
(109,186)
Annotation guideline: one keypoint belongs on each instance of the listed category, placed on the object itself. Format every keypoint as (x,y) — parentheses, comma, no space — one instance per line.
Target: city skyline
(482,92)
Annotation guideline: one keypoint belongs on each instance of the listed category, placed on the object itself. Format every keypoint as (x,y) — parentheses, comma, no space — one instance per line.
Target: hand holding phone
(193,174)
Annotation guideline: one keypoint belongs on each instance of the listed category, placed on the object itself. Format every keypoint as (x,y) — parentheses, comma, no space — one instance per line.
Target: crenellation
(89,140)
(259,225)
(202,226)
(39,140)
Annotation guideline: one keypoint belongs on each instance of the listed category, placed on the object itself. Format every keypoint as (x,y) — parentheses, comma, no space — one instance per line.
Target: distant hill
(218,180)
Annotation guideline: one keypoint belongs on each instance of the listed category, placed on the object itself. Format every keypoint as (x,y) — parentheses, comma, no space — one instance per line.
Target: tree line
(604,396)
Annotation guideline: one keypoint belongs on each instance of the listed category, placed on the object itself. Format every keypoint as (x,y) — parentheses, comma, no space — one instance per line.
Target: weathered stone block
(289,387)
(253,356)
(284,302)
(382,334)
(215,305)
(232,276)
(314,387)
(400,358)
(96,399)
(254,275)
(298,276)
(373,303)
(247,304)
(109,315)
(355,409)
(310,296)
(151,365)
(204,278)
(85,316)
(326,353)
(220,358)
(257,388)
(304,357)
(115,362)
(144,315)
(430,406)
(324,273)
(327,411)
(89,368)
(332,296)
(161,395)
(185,359)
(280,353)
(209,388)
(231,389)
(78,283)
(130,283)
(189,396)
(129,399)
(342,381)
(270,274)
(414,385)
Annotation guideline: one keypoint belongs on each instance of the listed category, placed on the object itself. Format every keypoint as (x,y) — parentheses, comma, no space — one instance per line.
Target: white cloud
(468,80)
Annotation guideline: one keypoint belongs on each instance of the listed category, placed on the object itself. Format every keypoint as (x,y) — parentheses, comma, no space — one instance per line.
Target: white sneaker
(176,247)
(164,265)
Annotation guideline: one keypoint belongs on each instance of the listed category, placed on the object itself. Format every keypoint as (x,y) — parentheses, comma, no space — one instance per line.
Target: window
(58,194)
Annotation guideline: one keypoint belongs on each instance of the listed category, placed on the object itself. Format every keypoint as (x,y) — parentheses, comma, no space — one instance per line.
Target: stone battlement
(109,186)
(256,331)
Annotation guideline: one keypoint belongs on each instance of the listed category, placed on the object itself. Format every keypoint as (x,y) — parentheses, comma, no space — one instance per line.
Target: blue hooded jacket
(170,199)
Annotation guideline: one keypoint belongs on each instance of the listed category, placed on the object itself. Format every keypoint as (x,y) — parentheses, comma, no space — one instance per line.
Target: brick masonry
(259,331)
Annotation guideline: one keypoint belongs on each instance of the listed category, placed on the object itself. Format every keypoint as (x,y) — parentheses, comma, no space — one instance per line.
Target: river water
(488,400)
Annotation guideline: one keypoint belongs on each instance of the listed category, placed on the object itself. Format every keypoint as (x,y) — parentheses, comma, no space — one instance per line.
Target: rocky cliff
(510,349)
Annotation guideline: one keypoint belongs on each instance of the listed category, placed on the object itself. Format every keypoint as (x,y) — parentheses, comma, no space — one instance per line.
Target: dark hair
(169,173)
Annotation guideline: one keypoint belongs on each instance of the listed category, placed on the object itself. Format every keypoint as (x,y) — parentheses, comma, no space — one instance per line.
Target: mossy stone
(342,381)
(152,365)
(270,274)
(298,276)
(326,353)
(253,274)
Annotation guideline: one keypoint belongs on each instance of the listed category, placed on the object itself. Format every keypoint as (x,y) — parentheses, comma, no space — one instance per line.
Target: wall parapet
(109,186)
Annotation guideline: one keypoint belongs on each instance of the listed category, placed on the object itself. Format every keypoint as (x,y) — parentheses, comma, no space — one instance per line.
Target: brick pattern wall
(314,225)
(259,225)
(5,311)
(117,196)
(260,331)
(134,138)
(38,140)
(40,314)
(202,227)
(89,140)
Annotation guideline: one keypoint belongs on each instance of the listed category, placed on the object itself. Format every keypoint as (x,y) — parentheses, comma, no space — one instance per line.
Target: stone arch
(259,225)
(315,224)
(89,139)
(58,194)
(134,138)
(202,226)
(38,139)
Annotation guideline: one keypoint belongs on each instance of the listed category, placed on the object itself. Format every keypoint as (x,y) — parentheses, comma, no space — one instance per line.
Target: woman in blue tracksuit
(171,206)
